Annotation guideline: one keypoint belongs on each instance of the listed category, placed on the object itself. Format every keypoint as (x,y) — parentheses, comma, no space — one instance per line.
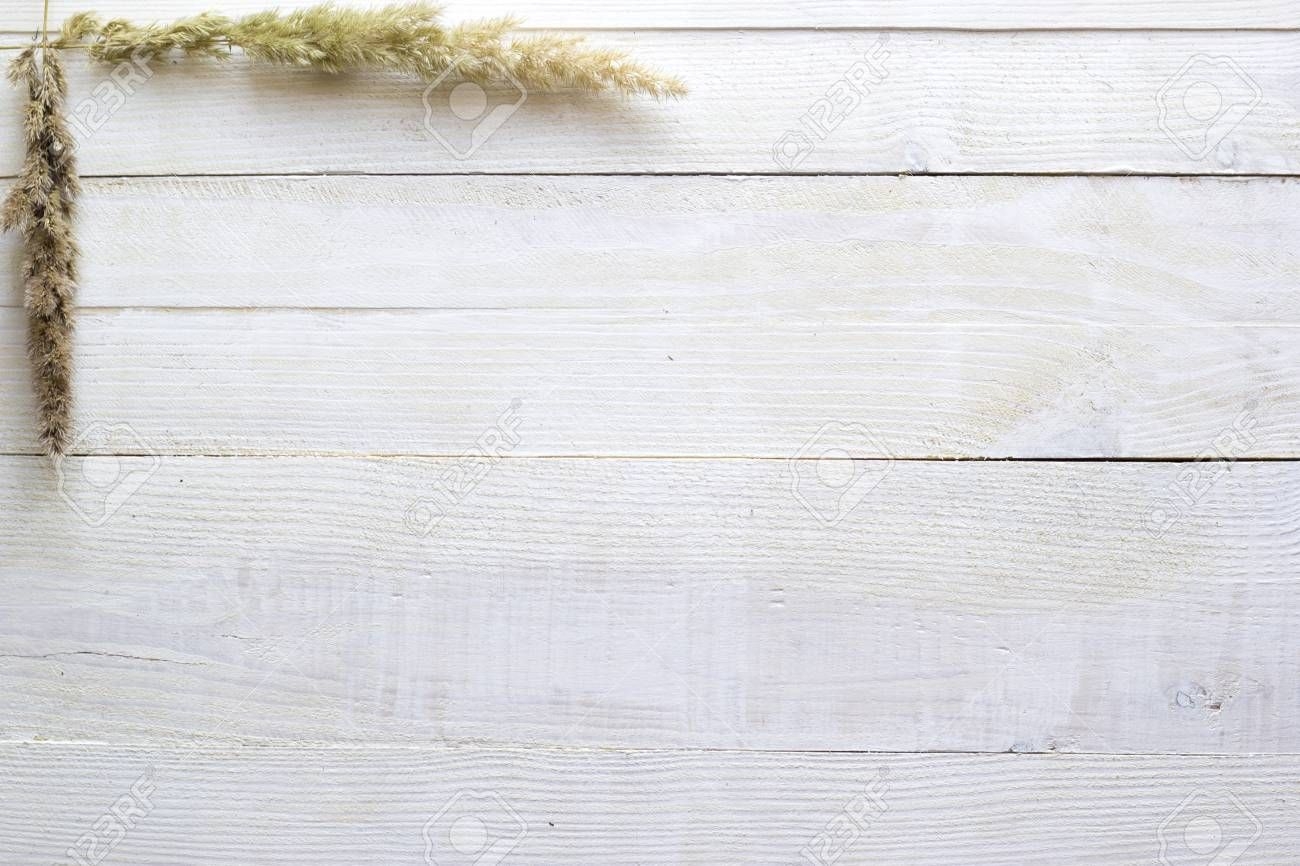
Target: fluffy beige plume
(40,206)
(405,38)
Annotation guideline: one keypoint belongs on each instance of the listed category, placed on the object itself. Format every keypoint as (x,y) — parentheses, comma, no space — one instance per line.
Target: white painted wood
(574,14)
(315,670)
(939,249)
(656,383)
(1075,101)
(276,806)
(960,606)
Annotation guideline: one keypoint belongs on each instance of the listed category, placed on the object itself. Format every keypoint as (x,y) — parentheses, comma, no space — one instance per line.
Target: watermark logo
(424,514)
(1207,829)
(826,114)
(1196,479)
(792,148)
(474,828)
(842,832)
(1204,101)
(836,468)
(458,481)
(463,115)
(110,828)
(97,485)
(109,95)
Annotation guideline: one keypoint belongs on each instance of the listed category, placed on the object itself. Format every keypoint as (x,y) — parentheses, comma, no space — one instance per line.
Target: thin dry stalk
(41,207)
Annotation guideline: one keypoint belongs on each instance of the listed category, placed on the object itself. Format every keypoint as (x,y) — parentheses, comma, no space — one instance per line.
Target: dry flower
(40,206)
(406,38)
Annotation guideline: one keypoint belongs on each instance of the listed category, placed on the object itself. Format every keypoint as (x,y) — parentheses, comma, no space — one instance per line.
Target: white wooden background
(228,634)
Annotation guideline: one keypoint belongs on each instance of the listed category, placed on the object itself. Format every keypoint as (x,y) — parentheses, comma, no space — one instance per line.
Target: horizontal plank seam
(490,745)
(636,311)
(413,455)
(13,37)
(739,175)
(685,174)
(972,325)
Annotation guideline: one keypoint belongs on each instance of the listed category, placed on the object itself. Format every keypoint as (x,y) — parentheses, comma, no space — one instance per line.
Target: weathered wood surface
(968,606)
(651,383)
(729,14)
(1060,250)
(644,629)
(343,806)
(1073,101)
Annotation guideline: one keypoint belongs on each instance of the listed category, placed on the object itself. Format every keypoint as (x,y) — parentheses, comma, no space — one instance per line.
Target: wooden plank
(274,806)
(626,14)
(991,249)
(970,607)
(653,383)
(1074,101)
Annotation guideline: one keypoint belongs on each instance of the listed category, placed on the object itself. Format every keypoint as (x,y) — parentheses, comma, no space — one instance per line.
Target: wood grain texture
(726,14)
(969,607)
(1075,101)
(274,806)
(1122,251)
(655,383)
(645,631)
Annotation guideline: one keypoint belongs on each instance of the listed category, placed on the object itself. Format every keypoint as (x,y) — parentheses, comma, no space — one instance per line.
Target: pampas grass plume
(40,206)
(406,38)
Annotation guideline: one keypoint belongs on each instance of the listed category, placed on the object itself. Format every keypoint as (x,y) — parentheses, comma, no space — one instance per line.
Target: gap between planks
(811,174)
(410,455)
(12,40)
(20,16)
(1271,324)
(448,744)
